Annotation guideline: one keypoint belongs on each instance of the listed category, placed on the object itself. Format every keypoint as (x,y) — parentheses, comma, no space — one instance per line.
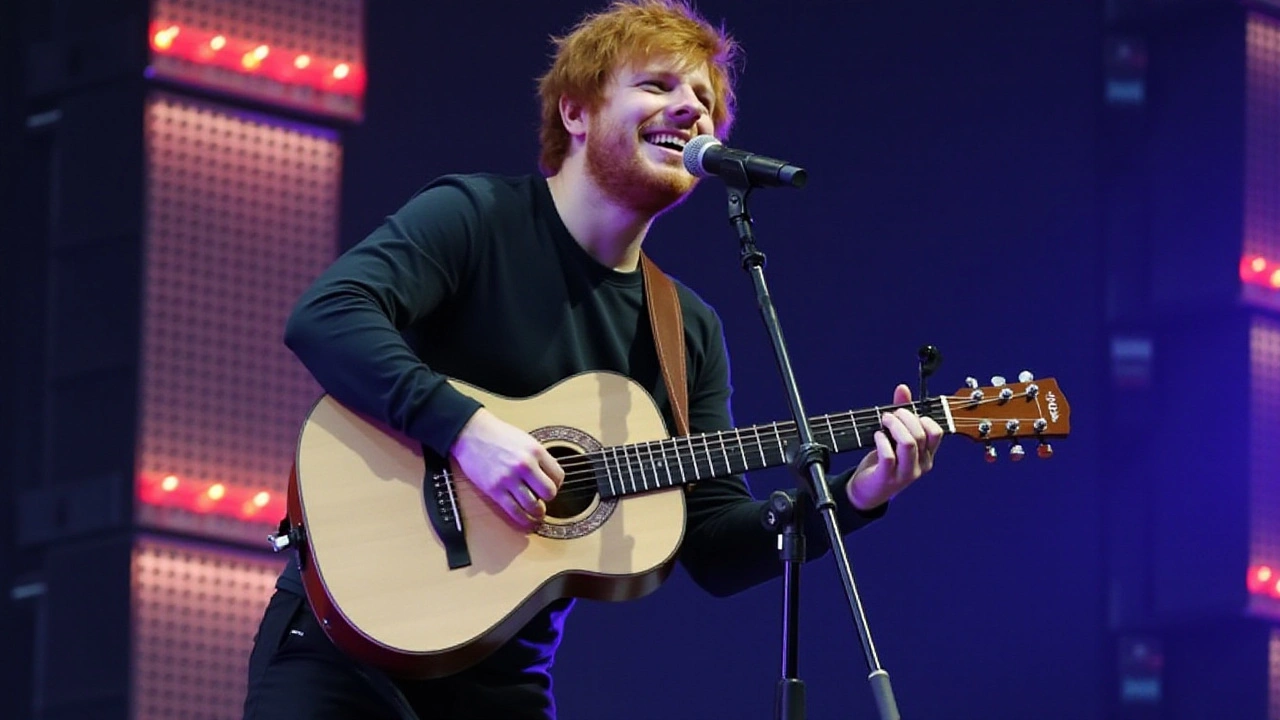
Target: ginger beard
(643,184)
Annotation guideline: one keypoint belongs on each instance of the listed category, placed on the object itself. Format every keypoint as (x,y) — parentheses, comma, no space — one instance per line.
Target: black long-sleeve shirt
(477,278)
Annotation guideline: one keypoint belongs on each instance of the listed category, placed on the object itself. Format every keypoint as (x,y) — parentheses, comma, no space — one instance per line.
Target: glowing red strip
(1264,580)
(1261,271)
(256,59)
(203,497)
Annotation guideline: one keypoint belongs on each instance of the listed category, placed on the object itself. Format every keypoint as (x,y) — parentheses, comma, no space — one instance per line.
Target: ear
(574,114)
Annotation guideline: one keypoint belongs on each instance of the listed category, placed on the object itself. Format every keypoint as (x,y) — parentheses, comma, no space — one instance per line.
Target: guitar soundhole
(577,494)
(577,510)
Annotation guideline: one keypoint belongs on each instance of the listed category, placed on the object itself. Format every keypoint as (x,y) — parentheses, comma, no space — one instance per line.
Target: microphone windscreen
(693,152)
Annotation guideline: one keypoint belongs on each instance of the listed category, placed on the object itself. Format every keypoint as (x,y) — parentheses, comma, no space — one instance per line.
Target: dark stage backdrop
(951,150)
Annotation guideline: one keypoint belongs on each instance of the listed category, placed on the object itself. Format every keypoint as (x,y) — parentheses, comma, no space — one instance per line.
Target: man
(512,284)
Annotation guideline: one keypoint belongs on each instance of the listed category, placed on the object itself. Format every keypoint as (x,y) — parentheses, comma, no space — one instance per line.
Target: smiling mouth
(667,141)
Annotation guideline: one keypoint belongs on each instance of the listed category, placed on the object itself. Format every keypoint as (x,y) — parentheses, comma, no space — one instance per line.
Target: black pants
(295,672)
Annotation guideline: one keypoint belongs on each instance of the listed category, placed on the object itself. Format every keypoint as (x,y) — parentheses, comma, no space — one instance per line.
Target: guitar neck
(641,467)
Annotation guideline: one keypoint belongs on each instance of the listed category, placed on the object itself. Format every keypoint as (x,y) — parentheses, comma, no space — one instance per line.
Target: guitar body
(377,574)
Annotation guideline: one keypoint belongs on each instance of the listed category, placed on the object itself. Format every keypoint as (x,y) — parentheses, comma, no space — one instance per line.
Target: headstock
(1028,409)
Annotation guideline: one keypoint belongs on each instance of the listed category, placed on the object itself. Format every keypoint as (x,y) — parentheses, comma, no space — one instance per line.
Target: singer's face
(635,138)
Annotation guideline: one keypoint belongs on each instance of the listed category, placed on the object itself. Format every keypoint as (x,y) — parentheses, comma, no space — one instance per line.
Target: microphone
(705,156)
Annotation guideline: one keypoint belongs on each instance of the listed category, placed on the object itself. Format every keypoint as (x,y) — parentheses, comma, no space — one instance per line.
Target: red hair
(630,30)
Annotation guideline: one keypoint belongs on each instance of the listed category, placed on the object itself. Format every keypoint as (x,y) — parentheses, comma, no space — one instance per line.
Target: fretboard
(641,467)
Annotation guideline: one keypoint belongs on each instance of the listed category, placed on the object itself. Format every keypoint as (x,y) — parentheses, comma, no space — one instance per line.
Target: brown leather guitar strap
(668,335)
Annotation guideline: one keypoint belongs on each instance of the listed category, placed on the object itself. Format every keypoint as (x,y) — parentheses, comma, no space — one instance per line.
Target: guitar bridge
(446,518)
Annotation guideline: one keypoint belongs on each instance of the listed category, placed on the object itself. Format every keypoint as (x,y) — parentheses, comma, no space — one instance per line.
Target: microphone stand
(809,460)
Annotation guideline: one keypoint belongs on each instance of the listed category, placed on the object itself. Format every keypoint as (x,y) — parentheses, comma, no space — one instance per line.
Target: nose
(687,107)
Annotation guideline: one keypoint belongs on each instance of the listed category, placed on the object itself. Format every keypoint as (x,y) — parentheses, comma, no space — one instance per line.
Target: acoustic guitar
(411,569)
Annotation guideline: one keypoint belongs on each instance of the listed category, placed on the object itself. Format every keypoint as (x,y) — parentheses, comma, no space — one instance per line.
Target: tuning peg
(971,382)
(998,380)
(1016,452)
(1045,451)
(990,453)
(1025,376)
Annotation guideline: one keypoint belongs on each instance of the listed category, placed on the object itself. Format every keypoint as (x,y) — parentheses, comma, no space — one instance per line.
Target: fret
(641,451)
(619,456)
(608,473)
(675,447)
(870,428)
(653,464)
(742,448)
(706,446)
(724,448)
(654,458)
(835,445)
(693,455)
(666,464)
(630,473)
(782,454)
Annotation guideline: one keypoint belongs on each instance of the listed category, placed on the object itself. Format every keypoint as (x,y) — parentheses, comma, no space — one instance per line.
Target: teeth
(666,139)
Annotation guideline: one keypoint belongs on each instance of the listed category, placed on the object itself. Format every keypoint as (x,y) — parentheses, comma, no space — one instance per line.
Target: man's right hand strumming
(509,467)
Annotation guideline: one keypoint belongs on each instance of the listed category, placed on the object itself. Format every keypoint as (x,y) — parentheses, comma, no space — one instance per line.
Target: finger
(903,428)
(926,457)
(933,433)
(540,483)
(515,512)
(527,500)
(909,416)
(912,423)
(901,395)
(550,468)
(884,450)
(906,446)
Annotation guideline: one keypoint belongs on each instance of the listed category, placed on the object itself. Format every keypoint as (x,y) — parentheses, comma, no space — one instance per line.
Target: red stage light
(211,498)
(163,40)
(288,66)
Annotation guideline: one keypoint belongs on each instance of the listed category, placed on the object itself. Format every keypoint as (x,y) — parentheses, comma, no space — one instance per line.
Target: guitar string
(583,468)
(585,481)
(585,484)
(582,471)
